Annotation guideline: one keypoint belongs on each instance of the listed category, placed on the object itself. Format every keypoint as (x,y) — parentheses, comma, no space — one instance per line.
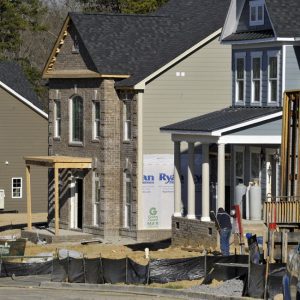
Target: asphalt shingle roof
(221,119)
(250,35)
(139,45)
(12,75)
(285,17)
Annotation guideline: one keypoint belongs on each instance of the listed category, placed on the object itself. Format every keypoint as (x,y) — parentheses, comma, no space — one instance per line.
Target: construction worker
(224,221)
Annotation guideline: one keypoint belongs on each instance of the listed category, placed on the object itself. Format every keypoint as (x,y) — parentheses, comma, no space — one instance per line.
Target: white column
(205,183)
(177,181)
(221,176)
(191,182)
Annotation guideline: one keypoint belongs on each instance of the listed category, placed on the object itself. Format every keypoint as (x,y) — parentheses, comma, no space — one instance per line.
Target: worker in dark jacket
(225,230)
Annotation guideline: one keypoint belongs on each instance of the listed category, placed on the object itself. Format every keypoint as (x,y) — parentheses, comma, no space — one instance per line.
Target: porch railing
(282,210)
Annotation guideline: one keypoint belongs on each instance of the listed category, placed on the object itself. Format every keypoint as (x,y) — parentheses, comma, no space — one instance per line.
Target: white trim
(273,53)
(250,139)
(56,135)
(257,4)
(141,85)
(12,188)
(94,124)
(71,120)
(140,161)
(283,69)
(237,56)
(247,123)
(256,54)
(21,98)
(223,130)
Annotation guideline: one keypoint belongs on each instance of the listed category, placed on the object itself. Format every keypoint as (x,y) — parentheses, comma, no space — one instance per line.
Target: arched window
(77,119)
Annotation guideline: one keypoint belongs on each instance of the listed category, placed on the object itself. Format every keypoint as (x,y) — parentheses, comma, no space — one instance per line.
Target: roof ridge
(119,14)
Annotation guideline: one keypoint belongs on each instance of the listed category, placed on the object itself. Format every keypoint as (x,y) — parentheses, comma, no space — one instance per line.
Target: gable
(244,20)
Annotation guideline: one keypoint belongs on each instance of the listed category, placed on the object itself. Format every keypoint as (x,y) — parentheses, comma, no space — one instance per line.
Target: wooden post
(28,188)
(56,200)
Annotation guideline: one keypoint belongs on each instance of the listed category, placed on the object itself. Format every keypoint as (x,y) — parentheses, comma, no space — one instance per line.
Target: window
(127,198)
(75,46)
(239,165)
(57,119)
(16,187)
(96,199)
(256,12)
(96,120)
(273,79)
(76,119)
(256,61)
(240,77)
(127,120)
(255,162)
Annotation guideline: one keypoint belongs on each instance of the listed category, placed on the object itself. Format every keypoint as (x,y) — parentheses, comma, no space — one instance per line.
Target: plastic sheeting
(24,269)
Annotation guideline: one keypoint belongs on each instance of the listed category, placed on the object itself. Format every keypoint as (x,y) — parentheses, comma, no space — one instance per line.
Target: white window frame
(255,4)
(256,150)
(240,55)
(95,120)
(71,121)
(260,56)
(12,187)
(96,206)
(241,150)
(277,55)
(127,130)
(57,124)
(127,207)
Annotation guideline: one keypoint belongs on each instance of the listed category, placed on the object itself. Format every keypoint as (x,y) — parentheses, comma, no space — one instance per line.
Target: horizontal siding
(268,129)
(168,99)
(22,132)
(292,79)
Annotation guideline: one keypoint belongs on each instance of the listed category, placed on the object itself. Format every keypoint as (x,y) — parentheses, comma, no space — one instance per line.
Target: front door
(76,203)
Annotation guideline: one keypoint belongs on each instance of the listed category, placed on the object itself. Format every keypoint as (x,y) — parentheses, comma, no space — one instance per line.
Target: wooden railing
(283,211)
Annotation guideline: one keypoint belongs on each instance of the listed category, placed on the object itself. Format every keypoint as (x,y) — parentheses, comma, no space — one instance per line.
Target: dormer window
(256,12)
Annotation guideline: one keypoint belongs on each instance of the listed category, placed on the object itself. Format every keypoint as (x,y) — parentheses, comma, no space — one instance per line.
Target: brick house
(114,79)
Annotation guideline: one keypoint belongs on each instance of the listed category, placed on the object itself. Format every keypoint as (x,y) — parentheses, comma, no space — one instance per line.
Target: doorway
(76,213)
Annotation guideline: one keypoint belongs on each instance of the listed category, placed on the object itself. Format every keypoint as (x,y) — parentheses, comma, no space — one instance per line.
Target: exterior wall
(23,132)
(292,78)
(243,24)
(170,98)
(187,232)
(264,85)
(107,153)
(68,59)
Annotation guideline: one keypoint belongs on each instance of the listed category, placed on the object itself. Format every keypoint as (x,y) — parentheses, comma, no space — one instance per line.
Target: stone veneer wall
(187,232)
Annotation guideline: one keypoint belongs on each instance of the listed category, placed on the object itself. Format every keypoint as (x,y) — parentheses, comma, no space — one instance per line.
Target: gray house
(265,63)
(23,131)
(114,80)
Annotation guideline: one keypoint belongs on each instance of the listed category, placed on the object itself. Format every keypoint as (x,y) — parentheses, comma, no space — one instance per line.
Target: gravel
(233,287)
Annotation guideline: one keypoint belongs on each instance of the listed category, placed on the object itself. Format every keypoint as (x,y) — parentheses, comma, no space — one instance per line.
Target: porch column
(221,176)
(177,181)
(191,182)
(56,200)
(205,183)
(28,190)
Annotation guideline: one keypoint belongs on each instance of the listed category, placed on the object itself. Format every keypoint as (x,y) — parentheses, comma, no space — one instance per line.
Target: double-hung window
(126,120)
(240,75)
(273,76)
(127,192)
(256,12)
(57,118)
(16,187)
(255,163)
(96,199)
(256,67)
(96,120)
(76,113)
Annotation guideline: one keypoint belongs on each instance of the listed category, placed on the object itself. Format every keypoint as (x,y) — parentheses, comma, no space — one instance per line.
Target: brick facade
(193,233)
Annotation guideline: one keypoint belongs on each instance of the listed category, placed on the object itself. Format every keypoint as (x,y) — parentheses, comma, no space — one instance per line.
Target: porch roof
(225,120)
(59,162)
